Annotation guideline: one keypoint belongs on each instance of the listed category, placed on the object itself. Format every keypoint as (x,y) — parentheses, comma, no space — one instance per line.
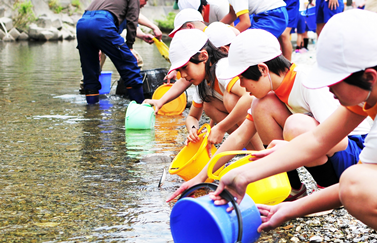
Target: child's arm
(273,216)
(236,116)
(298,152)
(230,17)
(175,91)
(244,23)
(236,141)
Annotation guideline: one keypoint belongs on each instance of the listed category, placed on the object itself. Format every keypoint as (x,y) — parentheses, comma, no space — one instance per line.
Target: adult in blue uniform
(98,30)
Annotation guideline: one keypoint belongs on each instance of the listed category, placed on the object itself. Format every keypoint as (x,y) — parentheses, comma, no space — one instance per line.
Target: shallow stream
(70,172)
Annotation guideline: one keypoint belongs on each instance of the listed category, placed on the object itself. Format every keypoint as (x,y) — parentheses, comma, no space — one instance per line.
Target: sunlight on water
(71,172)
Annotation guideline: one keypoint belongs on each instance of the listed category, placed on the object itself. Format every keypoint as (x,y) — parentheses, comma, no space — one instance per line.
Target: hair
(202,3)
(214,55)
(358,80)
(278,65)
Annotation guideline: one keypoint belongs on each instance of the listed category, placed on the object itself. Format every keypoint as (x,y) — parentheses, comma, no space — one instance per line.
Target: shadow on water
(71,172)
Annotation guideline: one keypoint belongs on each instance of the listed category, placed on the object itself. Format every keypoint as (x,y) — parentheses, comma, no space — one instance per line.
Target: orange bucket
(174,107)
(193,157)
(271,190)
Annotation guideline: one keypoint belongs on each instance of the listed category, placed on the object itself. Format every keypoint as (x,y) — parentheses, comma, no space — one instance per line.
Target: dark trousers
(96,30)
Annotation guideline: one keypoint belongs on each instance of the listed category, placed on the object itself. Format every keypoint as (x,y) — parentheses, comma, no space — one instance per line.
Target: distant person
(325,9)
(269,15)
(98,30)
(285,38)
(303,27)
(211,10)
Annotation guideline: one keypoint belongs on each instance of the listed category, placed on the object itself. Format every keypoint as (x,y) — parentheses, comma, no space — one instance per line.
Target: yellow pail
(174,107)
(193,157)
(271,190)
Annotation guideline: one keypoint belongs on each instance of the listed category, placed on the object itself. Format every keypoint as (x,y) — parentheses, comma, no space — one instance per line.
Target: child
(262,68)
(347,63)
(285,38)
(258,14)
(211,10)
(224,101)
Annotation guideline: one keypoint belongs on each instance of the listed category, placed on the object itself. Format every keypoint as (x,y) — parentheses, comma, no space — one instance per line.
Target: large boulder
(14,33)
(23,36)
(2,12)
(34,31)
(7,23)
(57,23)
(44,22)
(2,34)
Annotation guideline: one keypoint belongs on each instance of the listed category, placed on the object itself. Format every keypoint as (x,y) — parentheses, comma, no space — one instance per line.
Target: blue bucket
(310,18)
(200,220)
(105,80)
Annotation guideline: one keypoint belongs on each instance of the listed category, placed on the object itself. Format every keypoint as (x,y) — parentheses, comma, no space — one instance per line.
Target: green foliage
(76,4)
(25,15)
(55,6)
(166,24)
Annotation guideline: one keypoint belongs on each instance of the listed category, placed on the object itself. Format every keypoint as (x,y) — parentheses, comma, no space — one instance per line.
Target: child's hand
(192,136)
(184,187)
(272,147)
(215,136)
(234,183)
(273,216)
(171,75)
(154,103)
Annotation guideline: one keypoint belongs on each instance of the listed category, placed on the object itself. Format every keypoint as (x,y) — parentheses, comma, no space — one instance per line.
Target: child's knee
(266,104)
(350,185)
(298,124)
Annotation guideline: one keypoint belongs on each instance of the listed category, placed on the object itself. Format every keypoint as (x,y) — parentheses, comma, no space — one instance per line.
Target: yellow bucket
(174,107)
(271,190)
(193,157)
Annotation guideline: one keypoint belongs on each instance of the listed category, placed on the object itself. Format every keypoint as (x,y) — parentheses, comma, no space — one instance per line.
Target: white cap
(183,4)
(185,44)
(220,34)
(347,44)
(251,47)
(184,16)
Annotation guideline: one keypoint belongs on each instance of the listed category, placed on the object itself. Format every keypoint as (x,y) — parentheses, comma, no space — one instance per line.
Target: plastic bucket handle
(134,102)
(224,194)
(213,161)
(203,145)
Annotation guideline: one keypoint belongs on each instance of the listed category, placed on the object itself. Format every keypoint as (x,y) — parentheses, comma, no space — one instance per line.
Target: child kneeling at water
(347,63)
(288,111)
(223,100)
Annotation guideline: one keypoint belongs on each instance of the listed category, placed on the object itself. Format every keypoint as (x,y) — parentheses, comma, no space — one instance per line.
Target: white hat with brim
(183,4)
(250,48)
(220,34)
(184,16)
(347,44)
(184,45)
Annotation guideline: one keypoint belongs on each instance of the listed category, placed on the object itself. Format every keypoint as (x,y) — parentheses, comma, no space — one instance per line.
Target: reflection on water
(70,172)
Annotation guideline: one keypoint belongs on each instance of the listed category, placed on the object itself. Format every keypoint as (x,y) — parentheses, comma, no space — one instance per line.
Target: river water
(70,172)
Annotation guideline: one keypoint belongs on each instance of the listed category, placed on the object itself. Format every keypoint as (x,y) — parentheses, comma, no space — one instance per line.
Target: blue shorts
(293,12)
(306,21)
(274,21)
(323,12)
(350,156)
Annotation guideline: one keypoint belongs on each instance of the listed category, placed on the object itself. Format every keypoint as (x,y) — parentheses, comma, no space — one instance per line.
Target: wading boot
(92,96)
(136,93)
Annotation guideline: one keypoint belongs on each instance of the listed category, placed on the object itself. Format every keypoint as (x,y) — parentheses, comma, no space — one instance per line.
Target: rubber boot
(136,94)
(92,96)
